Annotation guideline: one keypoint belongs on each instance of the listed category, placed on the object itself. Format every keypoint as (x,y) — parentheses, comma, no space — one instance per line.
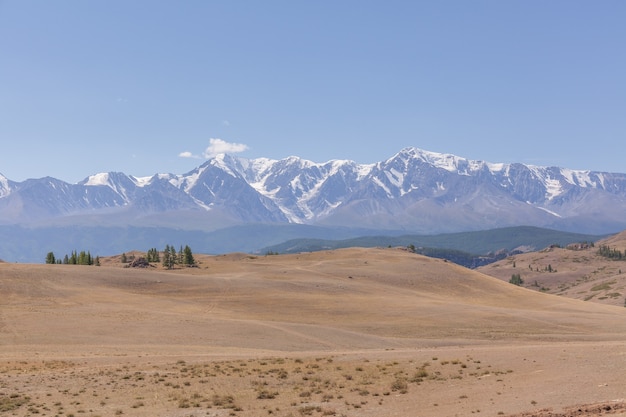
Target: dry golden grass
(350,332)
(579,274)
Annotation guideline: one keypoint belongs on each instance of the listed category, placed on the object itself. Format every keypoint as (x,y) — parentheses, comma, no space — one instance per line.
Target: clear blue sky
(96,86)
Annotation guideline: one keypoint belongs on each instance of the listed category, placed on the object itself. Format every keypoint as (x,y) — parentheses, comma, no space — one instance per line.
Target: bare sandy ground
(356,332)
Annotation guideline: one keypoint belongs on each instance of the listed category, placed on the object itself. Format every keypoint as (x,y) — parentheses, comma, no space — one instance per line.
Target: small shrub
(399,385)
(516,279)
(266,395)
(309,409)
(12,402)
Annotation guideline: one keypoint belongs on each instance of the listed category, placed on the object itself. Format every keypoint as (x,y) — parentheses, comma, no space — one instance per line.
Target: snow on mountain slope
(414,190)
(5,187)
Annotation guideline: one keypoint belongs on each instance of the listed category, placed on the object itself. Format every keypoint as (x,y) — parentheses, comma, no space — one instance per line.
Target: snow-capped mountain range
(414,190)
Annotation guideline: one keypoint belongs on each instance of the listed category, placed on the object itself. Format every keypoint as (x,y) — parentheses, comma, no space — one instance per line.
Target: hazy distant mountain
(415,190)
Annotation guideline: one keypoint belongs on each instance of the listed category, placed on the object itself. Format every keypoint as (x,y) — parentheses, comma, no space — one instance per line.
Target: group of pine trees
(169,257)
(153,255)
(611,253)
(184,256)
(75,258)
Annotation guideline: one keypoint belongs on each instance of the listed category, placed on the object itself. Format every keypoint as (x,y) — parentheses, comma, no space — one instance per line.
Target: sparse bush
(419,376)
(399,385)
(266,395)
(12,402)
(309,409)
(516,279)
(225,401)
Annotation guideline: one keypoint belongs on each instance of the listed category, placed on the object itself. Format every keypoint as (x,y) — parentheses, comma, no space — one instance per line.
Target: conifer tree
(167,257)
(84,258)
(188,256)
(50,259)
(173,257)
(153,255)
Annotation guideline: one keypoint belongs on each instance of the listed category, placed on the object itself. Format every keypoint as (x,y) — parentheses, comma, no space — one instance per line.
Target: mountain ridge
(414,190)
(469,249)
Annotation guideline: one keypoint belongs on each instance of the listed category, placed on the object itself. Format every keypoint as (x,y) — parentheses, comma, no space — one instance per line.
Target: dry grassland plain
(354,332)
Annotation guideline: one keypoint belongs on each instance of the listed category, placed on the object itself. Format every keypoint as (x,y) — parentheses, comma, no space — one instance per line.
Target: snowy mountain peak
(258,165)
(414,190)
(227,163)
(5,187)
(449,162)
(97,179)
(142,181)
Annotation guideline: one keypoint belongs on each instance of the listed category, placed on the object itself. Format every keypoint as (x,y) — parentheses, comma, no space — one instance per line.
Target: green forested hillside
(465,248)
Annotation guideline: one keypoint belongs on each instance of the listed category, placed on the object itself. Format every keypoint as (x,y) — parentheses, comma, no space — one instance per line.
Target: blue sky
(145,87)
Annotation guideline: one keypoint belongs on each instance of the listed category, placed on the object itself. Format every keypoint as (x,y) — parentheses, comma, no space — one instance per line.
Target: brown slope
(345,299)
(573,272)
(617,241)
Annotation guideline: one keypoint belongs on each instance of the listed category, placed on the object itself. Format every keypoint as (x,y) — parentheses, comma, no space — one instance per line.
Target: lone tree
(50,259)
(188,256)
(516,279)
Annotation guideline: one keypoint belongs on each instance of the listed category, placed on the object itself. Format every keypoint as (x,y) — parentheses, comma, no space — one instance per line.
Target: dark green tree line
(75,258)
(611,253)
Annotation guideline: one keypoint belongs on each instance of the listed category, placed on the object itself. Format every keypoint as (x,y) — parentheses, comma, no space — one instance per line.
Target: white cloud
(217,146)
(225,123)
(187,154)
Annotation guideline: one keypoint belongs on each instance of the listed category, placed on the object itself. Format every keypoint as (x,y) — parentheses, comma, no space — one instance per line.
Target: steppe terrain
(576,272)
(354,332)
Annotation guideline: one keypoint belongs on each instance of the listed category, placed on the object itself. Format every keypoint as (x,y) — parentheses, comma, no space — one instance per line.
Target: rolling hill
(576,271)
(469,249)
(346,332)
